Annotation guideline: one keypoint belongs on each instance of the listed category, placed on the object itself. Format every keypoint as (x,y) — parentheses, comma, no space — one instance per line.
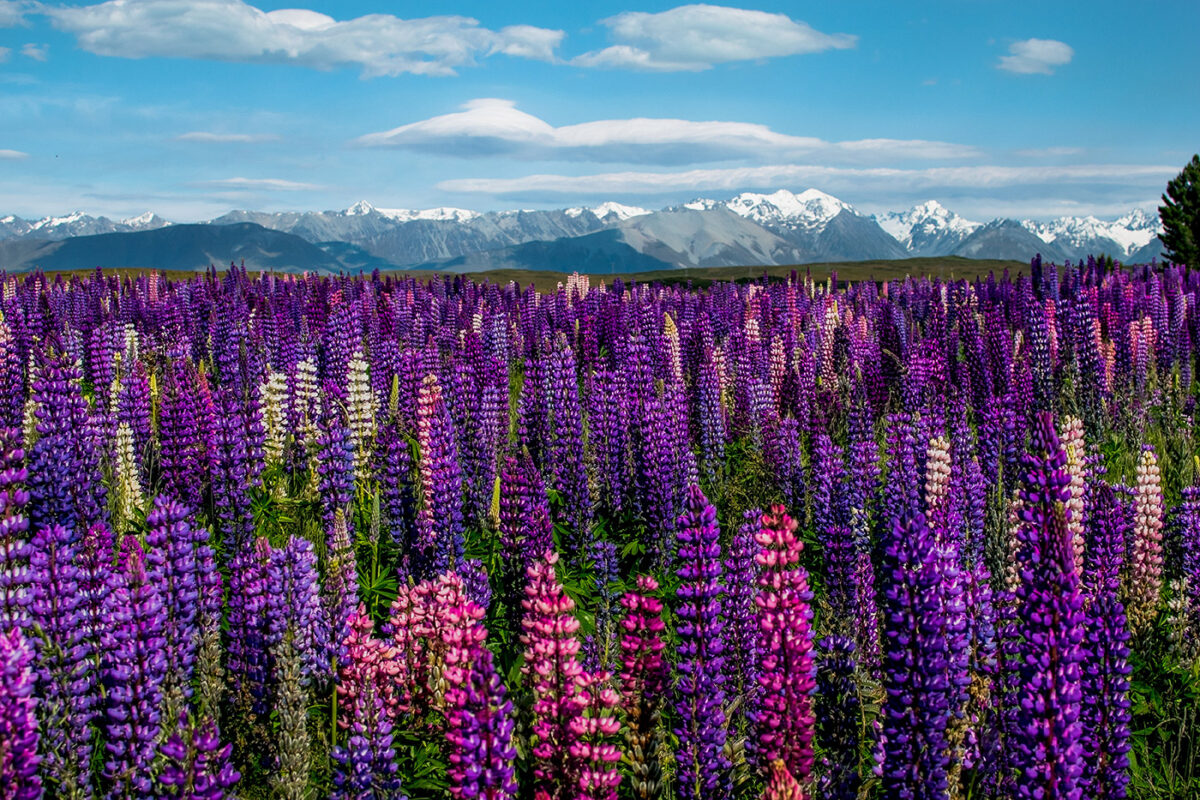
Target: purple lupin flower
(1105,713)
(397,493)
(911,753)
(183,426)
(14,530)
(741,623)
(248,657)
(196,767)
(565,451)
(66,679)
(1047,744)
(172,543)
(525,527)
(699,691)
(335,470)
(235,464)
(18,724)
(440,518)
(838,711)
(64,464)
(783,716)
(710,416)
(134,671)
(298,634)
(341,583)
(366,764)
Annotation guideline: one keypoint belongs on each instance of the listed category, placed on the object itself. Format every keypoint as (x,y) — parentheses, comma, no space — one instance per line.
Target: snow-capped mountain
(75,224)
(1088,235)
(750,228)
(927,229)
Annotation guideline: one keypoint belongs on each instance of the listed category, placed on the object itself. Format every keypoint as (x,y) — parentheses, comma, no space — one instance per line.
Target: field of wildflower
(270,536)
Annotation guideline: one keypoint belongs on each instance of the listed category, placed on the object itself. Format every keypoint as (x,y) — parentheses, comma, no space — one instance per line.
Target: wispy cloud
(231,30)
(12,155)
(220,138)
(1036,57)
(697,37)
(491,127)
(38,52)
(829,178)
(12,14)
(1050,152)
(260,184)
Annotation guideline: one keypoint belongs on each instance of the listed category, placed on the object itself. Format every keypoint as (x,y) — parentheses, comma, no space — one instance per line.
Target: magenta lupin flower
(784,718)
(592,752)
(551,670)
(645,679)
(18,725)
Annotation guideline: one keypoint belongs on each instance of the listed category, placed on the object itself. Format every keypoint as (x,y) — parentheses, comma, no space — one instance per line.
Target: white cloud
(489,127)
(12,155)
(696,37)
(35,51)
(263,184)
(829,178)
(231,30)
(216,137)
(1036,57)
(4,53)
(12,14)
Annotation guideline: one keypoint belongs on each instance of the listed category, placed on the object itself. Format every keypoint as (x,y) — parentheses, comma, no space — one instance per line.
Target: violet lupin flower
(645,679)
(298,633)
(837,711)
(366,764)
(525,527)
(64,465)
(66,680)
(741,622)
(18,724)
(1047,744)
(196,768)
(14,531)
(783,715)
(911,753)
(134,671)
(183,426)
(1105,713)
(699,691)
(397,496)
(172,542)
(565,445)
(440,518)
(248,657)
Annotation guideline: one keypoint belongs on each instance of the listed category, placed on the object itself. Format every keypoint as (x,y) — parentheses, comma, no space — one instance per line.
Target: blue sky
(193,108)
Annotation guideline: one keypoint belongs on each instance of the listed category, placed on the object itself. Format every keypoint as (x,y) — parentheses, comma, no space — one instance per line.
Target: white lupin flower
(273,400)
(1073,444)
(362,407)
(127,494)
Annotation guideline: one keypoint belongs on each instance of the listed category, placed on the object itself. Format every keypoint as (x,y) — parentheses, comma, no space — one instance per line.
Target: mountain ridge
(766,229)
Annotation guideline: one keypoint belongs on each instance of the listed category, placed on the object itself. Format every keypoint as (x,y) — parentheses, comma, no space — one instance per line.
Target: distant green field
(947,267)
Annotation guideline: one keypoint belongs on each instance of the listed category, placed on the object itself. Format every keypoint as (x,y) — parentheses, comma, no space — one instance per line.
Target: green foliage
(1180,214)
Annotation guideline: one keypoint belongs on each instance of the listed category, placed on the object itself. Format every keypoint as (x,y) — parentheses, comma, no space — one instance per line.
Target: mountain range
(749,229)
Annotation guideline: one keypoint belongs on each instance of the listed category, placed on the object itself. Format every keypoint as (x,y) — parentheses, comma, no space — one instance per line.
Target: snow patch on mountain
(918,227)
(1130,233)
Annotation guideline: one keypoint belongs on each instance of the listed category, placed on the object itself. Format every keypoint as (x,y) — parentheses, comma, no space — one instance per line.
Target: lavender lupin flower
(837,710)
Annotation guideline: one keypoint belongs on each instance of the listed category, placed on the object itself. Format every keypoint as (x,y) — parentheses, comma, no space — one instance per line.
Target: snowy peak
(926,226)
(811,209)
(1121,237)
(363,209)
(606,212)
